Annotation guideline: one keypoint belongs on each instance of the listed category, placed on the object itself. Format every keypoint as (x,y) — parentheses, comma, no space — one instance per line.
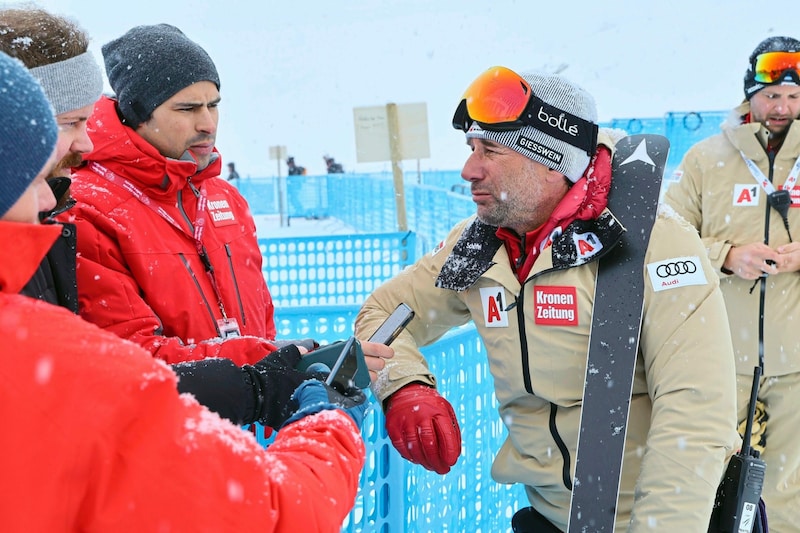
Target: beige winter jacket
(682,421)
(718,195)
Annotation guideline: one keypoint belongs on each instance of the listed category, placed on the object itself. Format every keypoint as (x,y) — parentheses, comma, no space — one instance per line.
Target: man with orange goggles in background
(539,172)
(739,189)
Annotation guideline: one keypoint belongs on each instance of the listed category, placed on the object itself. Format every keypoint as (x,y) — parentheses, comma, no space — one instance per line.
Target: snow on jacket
(714,169)
(124,452)
(142,278)
(683,416)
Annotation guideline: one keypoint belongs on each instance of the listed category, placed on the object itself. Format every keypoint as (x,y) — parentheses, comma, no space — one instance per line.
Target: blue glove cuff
(311,397)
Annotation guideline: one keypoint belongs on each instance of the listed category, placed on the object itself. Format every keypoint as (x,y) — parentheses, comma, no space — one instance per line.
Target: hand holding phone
(392,326)
(345,359)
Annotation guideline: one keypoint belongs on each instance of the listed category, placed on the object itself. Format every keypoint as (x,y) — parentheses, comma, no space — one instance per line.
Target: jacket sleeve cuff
(717,253)
(395,377)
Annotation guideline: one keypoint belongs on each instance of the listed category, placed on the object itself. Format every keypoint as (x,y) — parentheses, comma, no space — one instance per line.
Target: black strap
(529,520)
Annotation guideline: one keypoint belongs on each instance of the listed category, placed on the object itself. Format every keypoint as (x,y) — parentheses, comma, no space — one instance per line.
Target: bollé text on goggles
(772,67)
(502,100)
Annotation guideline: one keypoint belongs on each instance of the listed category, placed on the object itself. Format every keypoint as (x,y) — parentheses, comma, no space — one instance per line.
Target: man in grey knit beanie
(523,270)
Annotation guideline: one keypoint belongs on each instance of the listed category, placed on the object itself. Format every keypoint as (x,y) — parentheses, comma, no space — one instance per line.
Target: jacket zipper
(235,284)
(526,378)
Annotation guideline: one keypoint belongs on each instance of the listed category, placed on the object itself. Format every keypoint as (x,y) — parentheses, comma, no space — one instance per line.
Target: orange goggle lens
(497,96)
(772,66)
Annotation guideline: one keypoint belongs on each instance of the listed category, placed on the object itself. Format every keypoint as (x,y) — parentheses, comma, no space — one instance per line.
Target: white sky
(292,71)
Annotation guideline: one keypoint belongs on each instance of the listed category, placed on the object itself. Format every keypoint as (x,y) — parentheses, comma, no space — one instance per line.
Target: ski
(637,169)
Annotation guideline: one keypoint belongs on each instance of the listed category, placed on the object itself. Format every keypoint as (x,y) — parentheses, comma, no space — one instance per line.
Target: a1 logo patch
(587,244)
(745,195)
(493,300)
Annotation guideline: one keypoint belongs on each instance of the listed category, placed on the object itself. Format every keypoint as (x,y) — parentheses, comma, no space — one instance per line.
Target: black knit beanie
(770,44)
(149,64)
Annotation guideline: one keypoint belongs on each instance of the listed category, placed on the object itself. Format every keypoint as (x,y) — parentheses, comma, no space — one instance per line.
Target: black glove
(275,380)
(221,386)
(247,394)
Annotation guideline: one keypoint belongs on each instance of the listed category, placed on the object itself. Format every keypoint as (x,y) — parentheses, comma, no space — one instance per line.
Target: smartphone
(344,361)
(346,365)
(392,326)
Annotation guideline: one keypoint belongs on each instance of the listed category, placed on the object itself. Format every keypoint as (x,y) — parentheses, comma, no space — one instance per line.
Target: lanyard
(762,180)
(198,227)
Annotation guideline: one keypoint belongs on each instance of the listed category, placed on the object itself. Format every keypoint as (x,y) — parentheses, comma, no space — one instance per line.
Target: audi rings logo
(666,270)
(676,272)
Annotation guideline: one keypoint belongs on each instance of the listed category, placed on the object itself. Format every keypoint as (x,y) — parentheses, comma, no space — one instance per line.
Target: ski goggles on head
(501,100)
(772,67)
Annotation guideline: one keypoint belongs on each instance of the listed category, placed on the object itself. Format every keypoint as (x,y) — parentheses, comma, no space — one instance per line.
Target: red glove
(423,427)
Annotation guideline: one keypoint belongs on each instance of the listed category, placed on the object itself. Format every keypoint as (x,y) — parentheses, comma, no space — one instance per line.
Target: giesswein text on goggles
(502,100)
(773,66)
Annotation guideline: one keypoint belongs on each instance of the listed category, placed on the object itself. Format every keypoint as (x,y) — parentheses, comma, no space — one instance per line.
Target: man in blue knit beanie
(27,137)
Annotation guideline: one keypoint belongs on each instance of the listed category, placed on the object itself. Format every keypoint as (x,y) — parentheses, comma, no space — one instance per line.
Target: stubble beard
(497,213)
(64,167)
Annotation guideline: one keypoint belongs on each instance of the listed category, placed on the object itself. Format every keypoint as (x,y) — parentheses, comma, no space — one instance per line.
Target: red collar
(585,200)
(27,244)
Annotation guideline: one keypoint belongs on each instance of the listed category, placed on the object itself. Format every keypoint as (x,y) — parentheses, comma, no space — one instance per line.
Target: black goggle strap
(562,125)
(544,117)
(461,118)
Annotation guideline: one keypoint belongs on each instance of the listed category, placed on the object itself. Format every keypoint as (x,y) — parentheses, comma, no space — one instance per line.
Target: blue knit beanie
(28,130)
(149,64)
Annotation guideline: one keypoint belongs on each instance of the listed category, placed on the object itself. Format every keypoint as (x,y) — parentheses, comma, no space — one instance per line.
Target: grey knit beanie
(539,143)
(770,44)
(71,84)
(149,64)
(28,130)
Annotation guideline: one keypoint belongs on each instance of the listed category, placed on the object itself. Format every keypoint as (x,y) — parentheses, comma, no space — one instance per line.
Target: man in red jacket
(125,452)
(167,252)
(55,49)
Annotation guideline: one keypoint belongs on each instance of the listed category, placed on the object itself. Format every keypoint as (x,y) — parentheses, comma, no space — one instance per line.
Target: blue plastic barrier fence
(332,269)
(396,496)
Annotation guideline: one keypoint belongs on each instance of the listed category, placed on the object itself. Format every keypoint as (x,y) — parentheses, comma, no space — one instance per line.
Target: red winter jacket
(141,277)
(96,438)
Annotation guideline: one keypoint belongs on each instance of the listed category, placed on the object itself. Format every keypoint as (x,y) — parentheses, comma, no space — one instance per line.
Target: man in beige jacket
(739,189)
(540,201)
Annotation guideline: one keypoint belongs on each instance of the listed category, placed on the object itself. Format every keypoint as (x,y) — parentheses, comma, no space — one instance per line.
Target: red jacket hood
(117,146)
(27,244)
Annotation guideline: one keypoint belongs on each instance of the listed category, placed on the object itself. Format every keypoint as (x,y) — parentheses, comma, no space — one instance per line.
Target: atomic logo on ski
(639,154)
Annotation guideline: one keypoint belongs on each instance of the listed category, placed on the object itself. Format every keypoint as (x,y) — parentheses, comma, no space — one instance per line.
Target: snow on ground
(271,226)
